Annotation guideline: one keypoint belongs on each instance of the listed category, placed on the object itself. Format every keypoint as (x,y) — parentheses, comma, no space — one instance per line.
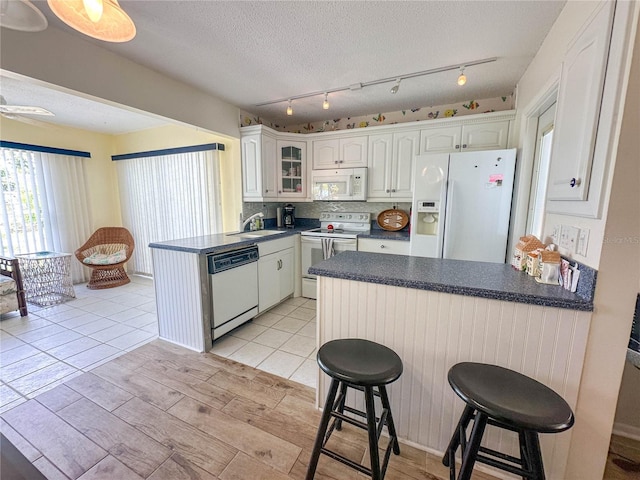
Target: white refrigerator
(462,205)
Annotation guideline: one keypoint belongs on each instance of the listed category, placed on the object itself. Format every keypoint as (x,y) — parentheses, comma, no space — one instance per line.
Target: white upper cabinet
(462,138)
(440,140)
(347,152)
(291,169)
(579,101)
(259,172)
(391,165)
(379,175)
(272,168)
(485,136)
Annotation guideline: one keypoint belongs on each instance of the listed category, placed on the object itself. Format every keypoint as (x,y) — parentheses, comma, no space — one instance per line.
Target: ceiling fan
(16,112)
(21,15)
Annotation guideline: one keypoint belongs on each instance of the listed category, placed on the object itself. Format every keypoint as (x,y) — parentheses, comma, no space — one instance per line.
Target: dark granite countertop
(221,242)
(379,234)
(479,279)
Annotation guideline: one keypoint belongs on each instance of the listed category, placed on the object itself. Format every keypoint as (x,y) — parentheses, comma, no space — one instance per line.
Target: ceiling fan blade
(24,110)
(30,121)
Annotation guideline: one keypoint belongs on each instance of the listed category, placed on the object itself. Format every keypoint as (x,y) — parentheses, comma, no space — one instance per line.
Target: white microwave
(339,185)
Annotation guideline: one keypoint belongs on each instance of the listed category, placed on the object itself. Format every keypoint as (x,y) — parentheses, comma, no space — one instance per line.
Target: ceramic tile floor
(54,344)
(281,341)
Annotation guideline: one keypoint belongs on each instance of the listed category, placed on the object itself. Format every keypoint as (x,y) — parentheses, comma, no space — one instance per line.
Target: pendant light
(101,19)
(325,104)
(289,109)
(462,78)
(21,15)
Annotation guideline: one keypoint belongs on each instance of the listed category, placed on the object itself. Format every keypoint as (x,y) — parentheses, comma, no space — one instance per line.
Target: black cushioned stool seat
(365,366)
(503,398)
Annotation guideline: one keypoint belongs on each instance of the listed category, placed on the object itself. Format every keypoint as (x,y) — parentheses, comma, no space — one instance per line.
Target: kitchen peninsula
(435,313)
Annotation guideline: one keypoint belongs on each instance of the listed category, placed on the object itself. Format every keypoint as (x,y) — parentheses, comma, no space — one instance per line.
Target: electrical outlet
(583,241)
(569,237)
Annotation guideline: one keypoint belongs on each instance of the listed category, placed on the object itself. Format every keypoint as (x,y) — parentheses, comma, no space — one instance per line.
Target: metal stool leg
(390,425)
(322,429)
(372,433)
(470,453)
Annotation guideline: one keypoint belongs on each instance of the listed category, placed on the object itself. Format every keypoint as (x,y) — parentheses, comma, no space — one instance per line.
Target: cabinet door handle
(457,147)
(382,246)
(573,182)
(464,145)
(393,190)
(388,190)
(336,161)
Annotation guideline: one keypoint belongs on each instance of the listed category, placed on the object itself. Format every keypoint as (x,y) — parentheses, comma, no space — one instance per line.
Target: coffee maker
(288,218)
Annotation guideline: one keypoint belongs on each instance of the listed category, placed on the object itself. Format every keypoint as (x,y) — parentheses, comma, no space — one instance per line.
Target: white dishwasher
(234,288)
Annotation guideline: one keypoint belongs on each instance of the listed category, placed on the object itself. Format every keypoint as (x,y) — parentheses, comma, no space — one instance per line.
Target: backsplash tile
(314,209)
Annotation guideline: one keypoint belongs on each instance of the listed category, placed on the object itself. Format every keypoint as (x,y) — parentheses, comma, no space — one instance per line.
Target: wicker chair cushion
(97,258)
(7,286)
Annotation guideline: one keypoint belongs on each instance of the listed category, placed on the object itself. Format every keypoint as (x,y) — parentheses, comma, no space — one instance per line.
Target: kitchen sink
(256,233)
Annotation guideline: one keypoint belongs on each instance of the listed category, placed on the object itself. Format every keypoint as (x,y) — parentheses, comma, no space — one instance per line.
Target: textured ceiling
(250,52)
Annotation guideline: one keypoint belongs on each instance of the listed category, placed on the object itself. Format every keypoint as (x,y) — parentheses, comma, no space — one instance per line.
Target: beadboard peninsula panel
(432,331)
(181,299)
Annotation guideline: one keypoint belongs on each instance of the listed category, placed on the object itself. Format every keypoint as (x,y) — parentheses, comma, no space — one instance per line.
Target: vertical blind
(44,203)
(166,197)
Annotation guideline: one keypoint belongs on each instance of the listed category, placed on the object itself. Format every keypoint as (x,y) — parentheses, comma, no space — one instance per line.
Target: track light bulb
(396,87)
(462,78)
(289,109)
(325,104)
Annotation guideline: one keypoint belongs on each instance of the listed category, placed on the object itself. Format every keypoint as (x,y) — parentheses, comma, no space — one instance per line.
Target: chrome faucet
(244,224)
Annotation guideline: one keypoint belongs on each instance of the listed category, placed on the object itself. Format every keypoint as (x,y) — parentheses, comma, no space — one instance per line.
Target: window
(167,197)
(539,179)
(44,201)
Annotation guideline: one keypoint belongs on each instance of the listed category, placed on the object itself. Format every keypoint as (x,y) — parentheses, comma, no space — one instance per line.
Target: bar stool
(365,366)
(506,399)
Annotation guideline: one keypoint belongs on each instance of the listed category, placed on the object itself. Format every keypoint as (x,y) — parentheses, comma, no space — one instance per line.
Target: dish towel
(327,248)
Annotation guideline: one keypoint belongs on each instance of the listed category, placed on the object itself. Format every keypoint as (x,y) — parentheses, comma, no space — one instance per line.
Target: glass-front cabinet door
(292,166)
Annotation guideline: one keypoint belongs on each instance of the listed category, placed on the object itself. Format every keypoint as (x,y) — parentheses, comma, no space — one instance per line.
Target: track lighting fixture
(396,87)
(462,78)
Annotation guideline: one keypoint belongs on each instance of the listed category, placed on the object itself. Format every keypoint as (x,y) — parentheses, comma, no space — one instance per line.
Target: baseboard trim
(627,431)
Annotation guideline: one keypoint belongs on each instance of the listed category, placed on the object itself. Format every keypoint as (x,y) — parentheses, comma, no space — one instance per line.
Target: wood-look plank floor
(163,412)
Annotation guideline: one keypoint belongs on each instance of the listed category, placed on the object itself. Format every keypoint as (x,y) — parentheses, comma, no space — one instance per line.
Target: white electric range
(341,229)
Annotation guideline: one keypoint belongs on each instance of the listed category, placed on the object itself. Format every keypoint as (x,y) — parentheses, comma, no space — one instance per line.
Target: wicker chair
(15,298)
(106,251)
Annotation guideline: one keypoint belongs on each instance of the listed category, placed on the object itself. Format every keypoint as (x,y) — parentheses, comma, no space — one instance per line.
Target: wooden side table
(47,277)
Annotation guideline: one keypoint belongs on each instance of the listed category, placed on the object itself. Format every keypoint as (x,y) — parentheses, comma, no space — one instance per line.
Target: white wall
(69,61)
(615,290)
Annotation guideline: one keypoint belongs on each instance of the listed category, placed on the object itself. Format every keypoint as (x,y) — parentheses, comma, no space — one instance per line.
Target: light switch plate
(569,237)
(583,241)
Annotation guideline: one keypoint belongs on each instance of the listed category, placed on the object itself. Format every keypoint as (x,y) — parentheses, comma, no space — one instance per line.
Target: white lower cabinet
(375,245)
(275,272)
